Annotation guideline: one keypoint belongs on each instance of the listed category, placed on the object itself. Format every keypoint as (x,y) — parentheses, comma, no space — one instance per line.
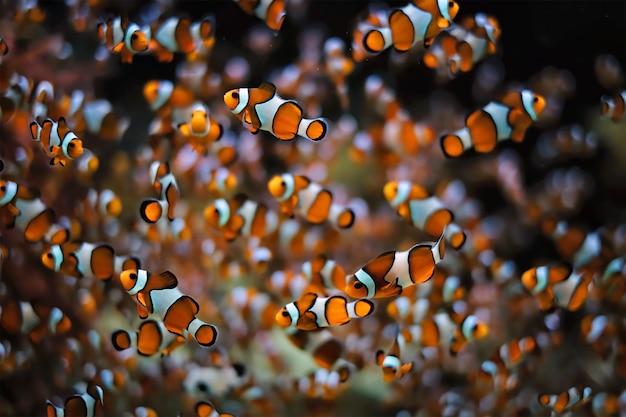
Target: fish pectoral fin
(142,311)
(380,356)
(309,321)
(391,289)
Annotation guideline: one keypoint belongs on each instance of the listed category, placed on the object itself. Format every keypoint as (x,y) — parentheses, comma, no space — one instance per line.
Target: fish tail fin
(360,308)
(340,216)
(205,334)
(455,144)
(313,129)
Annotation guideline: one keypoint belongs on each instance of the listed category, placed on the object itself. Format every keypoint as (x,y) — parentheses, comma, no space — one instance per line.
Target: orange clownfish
(165,185)
(159,295)
(393,368)
(497,121)
(221,181)
(614,107)
(389,273)
(151,338)
(97,207)
(241,216)
(80,405)
(33,319)
(124,38)
(324,272)
(202,129)
(21,207)
(311,312)
(376,26)
(272,12)
(177,34)
(569,400)
(311,200)
(262,109)
(81,259)
(557,285)
(413,204)
(97,117)
(57,140)
(324,383)
(162,95)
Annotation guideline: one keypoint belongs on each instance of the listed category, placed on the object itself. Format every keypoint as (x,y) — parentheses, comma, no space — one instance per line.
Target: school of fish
(280,237)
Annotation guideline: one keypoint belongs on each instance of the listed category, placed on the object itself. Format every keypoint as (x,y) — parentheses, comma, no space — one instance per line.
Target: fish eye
(282,184)
(203,387)
(3,188)
(133,37)
(236,95)
(451,4)
(536,99)
(133,276)
(49,255)
(358,285)
(71,145)
(285,313)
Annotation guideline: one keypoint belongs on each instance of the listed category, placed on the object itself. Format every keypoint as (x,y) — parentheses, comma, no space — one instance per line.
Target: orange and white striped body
(614,106)
(57,140)
(262,109)
(86,404)
(151,338)
(272,12)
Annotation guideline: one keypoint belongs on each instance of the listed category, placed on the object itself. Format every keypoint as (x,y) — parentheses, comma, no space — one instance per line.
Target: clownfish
(338,67)
(151,338)
(97,117)
(166,187)
(612,282)
(57,140)
(324,348)
(4,48)
(569,400)
(97,207)
(312,312)
(21,207)
(440,329)
(221,181)
(162,95)
(124,38)
(389,273)
(178,34)
(390,362)
(505,359)
(253,305)
(376,25)
(325,383)
(202,129)
(311,200)
(324,272)
(204,408)
(33,319)
(80,405)
(614,106)
(262,109)
(429,214)
(272,12)
(83,259)
(557,285)
(159,295)
(241,216)
(496,122)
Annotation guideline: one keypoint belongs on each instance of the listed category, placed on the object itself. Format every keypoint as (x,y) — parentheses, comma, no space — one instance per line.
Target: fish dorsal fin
(380,356)
(169,279)
(306,302)
(268,87)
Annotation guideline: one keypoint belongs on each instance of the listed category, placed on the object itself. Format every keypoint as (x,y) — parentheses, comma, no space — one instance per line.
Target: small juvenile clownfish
(202,129)
(221,181)
(338,67)
(272,12)
(324,348)
(241,216)
(57,140)
(159,295)
(311,200)
(614,106)
(204,408)
(172,35)
(165,185)
(83,259)
(311,312)
(540,280)
(97,207)
(163,95)
(123,37)
(33,319)
(4,48)
(390,362)
(413,204)
(574,243)
(262,109)
(254,306)
(98,117)
(496,122)
(498,369)
(600,332)
(80,405)
(151,338)
(389,273)
(21,207)
(324,272)
(569,400)
(419,21)
(324,383)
